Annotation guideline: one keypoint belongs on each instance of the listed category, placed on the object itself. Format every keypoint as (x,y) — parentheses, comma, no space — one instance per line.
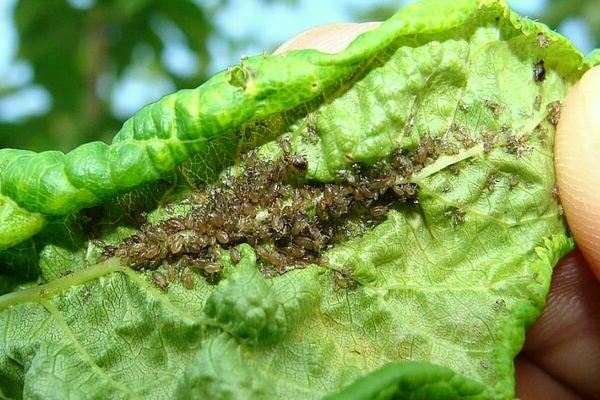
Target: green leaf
(431,301)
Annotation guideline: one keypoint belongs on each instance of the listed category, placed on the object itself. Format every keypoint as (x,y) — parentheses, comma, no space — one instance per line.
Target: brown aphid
(171,273)
(513,181)
(160,281)
(343,280)
(150,252)
(254,197)
(174,224)
(537,103)
(188,280)
(274,258)
(491,182)
(556,192)
(539,72)
(517,145)
(554,112)
(494,107)
(542,133)
(457,215)
(235,255)
(222,237)
(542,40)
(284,144)
(379,211)
(213,268)
(489,139)
(462,136)
(176,243)
(248,210)
(108,252)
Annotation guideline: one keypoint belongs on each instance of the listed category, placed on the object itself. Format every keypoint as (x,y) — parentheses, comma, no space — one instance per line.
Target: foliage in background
(76,53)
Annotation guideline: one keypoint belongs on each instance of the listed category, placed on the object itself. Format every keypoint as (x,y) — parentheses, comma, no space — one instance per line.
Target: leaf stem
(38,294)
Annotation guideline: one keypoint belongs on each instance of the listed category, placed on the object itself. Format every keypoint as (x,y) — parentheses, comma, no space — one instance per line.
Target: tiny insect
(539,72)
(513,182)
(556,192)
(537,103)
(188,280)
(554,110)
(171,273)
(343,280)
(213,268)
(222,237)
(160,281)
(235,255)
(494,107)
(298,164)
(542,40)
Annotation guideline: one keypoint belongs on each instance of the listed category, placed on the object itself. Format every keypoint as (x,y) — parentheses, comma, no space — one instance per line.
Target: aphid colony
(270,205)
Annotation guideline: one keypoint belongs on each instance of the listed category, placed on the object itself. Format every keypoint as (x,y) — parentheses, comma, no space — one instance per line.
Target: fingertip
(577,153)
(331,38)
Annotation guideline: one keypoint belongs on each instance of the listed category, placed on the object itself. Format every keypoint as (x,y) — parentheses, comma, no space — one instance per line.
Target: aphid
(542,133)
(176,243)
(222,237)
(213,268)
(404,191)
(457,215)
(491,182)
(554,112)
(248,210)
(284,144)
(494,107)
(537,103)
(216,219)
(298,164)
(150,252)
(160,281)
(188,280)
(235,255)
(378,211)
(175,224)
(409,125)
(454,169)
(489,139)
(463,138)
(171,273)
(542,40)
(539,72)
(343,280)
(273,257)
(556,192)
(513,181)
(254,197)
(517,145)
(108,252)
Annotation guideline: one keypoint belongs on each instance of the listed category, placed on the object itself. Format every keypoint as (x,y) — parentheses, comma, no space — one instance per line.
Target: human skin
(561,356)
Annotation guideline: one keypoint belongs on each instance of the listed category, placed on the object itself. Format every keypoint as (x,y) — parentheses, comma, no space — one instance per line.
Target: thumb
(331,38)
(577,152)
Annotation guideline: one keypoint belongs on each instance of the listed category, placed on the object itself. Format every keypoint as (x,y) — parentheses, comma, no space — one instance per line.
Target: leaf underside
(442,291)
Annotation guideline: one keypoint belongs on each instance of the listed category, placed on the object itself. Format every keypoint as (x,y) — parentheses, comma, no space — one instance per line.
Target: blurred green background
(72,71)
